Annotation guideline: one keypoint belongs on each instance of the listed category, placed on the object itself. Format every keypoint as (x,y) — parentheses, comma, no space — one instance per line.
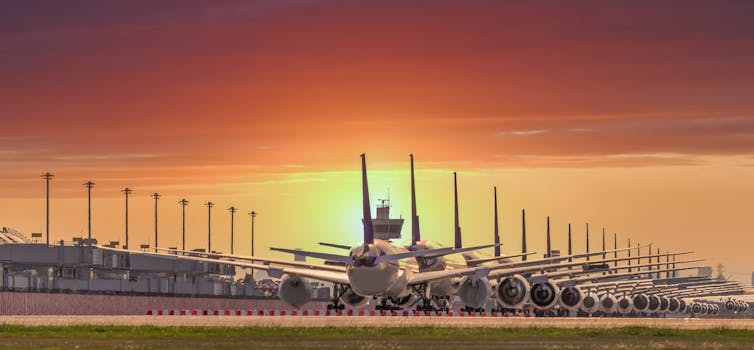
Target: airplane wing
(423,277)
(326,276)
(253,259)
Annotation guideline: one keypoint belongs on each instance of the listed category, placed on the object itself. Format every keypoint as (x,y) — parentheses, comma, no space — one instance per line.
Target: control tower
(386,228)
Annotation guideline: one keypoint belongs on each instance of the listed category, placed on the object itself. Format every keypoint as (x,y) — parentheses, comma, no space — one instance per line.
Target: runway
(356,321)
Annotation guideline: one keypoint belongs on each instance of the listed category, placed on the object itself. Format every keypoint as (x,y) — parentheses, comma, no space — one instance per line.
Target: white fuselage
(383,279)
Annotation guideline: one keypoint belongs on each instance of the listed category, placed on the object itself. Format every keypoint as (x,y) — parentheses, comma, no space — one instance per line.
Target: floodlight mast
(183,202)
(253,215)
(209,226)
(89,186)
(232,211)
(127,191)
(156,196)
(47,176)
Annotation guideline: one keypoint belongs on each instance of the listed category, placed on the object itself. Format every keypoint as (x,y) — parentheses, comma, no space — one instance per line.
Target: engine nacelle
(744,306)
(294,291)
(664,304)
(512,292)
(544,296)
(474,291)
(674,305)
(405,301)
(696,308)
(731,305)
(683,308)
(571,298)
(654,303)
(590,304)
(625,305)
(705,308)
(641,302)
(608,303)
(354,300)
(714,310)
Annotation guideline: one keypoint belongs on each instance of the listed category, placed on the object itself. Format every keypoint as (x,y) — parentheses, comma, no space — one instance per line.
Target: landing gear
(425,299)
(338,291)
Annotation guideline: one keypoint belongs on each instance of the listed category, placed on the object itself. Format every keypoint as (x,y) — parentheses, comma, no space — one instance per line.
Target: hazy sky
(633,115)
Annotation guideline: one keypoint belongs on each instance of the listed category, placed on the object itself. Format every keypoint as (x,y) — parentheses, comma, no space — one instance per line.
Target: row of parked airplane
(421,277)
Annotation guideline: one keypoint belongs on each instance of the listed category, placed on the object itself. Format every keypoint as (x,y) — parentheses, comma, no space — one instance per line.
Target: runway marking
(350,312)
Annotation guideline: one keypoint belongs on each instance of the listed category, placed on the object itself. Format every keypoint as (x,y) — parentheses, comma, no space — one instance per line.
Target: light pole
(127,191)
(183,202)
(209,226)
(232,211)
(156,196)
(89,186)
(253,215)
(47,176)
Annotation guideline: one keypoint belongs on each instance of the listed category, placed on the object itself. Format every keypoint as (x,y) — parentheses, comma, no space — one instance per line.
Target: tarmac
(389,321)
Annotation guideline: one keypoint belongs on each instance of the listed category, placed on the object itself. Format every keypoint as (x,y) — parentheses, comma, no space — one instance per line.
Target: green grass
(148,337)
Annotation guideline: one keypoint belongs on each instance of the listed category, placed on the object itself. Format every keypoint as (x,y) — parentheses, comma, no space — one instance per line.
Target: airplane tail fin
(415,235)
(458,227)
(497,229)
(549,248)
(523,234)
(368,228)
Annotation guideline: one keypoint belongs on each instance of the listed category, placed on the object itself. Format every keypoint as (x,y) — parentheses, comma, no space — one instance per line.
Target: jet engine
(512,292)
(654,303)
(608,303)
(696,308)
(731,305)
(571,298)
(674,305)
(664,304)
(474,291)
(590,304)
(354,300)
(405,301)
(294,291)
(641,302)
(683,307)
(705,308)
(544,295)
(625,305)
(714,310)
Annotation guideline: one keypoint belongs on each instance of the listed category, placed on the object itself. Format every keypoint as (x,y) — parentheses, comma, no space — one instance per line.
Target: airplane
(372,269)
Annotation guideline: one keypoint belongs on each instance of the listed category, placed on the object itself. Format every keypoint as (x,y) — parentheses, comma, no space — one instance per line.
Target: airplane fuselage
(381,279)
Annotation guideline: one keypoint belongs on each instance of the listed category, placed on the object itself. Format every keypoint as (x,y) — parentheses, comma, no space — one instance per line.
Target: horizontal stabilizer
(461,250)
(334,245)
(344,259)
(472,262)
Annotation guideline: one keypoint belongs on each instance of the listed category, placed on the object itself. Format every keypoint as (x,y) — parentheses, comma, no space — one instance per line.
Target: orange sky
(635,115)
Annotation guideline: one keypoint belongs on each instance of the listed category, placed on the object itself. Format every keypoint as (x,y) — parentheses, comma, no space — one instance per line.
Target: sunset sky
(633,115)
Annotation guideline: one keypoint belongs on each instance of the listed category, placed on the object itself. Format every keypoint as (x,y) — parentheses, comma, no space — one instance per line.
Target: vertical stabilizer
(570,247)
(523,234)
(367,213)
(549,248)
(604,255)
(629,255)
(587,241)
(458,227)
(415,235)
(497,227)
